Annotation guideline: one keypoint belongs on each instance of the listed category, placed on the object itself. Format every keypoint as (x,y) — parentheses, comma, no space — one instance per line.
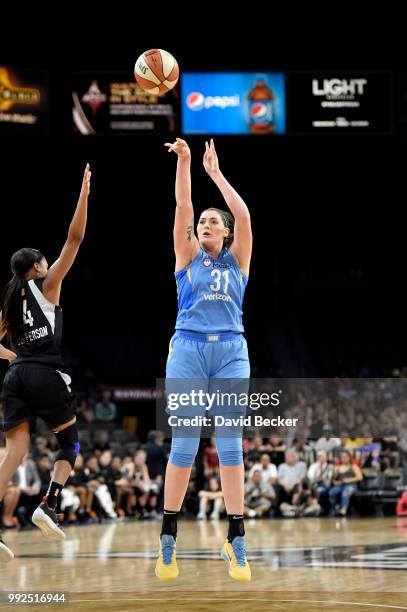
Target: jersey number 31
(218,278)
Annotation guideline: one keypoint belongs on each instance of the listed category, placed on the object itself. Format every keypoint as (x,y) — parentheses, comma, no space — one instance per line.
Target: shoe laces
(239,550)
(168,546)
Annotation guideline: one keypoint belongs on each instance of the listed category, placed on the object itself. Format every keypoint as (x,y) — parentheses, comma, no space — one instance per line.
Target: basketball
(156,71)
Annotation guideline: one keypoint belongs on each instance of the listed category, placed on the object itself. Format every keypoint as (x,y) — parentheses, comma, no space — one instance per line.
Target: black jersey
(38,337)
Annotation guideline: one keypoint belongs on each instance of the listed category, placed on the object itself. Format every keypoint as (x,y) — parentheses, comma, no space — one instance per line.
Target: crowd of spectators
(292,472)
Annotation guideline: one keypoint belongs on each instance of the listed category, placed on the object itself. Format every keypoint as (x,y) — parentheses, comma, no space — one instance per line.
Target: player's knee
(68,442)
(230,451)
(183,451)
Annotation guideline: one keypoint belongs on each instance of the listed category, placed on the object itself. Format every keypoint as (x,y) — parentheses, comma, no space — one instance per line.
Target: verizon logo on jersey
(217,296)
(34,334)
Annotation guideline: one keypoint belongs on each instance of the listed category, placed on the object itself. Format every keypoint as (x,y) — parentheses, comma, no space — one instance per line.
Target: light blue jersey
(210,294)
(208,344)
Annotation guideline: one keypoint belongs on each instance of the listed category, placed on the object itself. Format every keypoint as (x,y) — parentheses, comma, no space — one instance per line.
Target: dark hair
(347,452)
(20,263)
(229,222)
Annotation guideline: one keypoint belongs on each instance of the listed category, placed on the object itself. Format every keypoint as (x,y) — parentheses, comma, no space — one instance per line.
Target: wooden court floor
(297,565)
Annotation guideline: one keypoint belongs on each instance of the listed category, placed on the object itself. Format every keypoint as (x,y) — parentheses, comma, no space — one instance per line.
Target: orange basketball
(156,71)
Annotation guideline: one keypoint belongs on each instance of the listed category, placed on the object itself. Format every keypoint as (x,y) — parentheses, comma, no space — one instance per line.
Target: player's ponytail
(21,262)
(229,222)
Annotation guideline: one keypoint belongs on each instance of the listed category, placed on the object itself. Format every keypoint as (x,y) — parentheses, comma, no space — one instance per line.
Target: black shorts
(31,390)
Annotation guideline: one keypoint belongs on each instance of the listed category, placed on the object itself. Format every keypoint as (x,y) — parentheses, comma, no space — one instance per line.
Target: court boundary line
(217,599)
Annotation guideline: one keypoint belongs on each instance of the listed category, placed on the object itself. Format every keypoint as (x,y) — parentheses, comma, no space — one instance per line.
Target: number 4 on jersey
(27,316)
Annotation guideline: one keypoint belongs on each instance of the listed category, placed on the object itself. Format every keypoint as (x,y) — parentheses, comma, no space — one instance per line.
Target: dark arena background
(326,302)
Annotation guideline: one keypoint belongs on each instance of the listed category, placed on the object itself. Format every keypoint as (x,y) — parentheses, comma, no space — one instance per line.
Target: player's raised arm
(186,245)
(56,273)
(241,248)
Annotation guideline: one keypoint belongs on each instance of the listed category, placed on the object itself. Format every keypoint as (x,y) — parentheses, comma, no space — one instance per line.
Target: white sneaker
(252,513)
(46,519)
(201,516)
(6,554)
(214,516)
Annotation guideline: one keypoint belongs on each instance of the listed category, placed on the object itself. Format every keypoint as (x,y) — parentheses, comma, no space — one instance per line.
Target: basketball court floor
(297,565)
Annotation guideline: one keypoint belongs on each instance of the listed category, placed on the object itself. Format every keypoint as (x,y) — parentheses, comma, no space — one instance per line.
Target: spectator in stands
(125,499)
(276,449)
(327,443)
(10,500)
(255,449)
(101,441)
(106,410)
(145,490)
(211,500)
(84,411)
(304,451)
(40,448)
(44,472)
(267,469)
(345,477)
(110,471)
(211,459)
(156,456)
(368,455)
(320,475)
(259,496)
(390,454)
(303,503)
(354,442)
(290,474)
(78,484)
(87,416)
(29,484)
(338,450)
(98,487)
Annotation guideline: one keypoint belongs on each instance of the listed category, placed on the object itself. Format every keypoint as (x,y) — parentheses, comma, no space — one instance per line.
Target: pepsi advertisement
(233,103)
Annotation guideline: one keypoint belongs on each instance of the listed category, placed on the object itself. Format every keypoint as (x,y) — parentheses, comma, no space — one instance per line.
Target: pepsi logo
(207,262)
(195,101)
(258,110)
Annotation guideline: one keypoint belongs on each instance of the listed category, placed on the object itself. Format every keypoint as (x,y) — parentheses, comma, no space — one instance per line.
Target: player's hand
(179,147)
(86,181)
(210,159)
